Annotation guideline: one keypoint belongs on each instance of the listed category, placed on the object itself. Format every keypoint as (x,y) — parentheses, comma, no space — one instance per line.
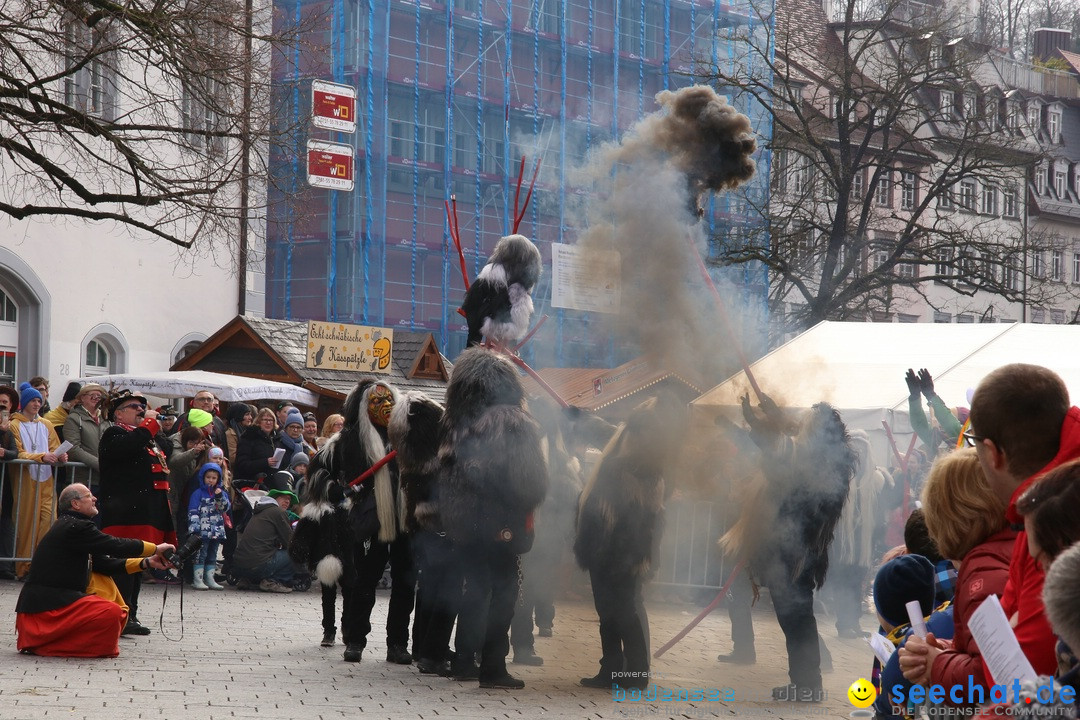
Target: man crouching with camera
(70,606)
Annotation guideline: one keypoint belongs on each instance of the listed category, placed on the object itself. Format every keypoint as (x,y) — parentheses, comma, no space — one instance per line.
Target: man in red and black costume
(134,487)
(69,607)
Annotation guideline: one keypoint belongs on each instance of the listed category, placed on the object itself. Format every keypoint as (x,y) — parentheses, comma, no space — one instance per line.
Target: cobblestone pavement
(257,655)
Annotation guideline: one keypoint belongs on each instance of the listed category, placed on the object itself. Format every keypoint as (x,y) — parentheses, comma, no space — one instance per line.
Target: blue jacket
(207,508)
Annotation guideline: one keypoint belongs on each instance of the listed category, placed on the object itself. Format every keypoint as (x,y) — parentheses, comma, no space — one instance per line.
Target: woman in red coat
(967,521)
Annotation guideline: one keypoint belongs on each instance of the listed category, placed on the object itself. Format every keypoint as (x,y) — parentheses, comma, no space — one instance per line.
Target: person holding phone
(33,486)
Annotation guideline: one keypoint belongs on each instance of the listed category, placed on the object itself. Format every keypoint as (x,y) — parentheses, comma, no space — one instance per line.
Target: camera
(182,555)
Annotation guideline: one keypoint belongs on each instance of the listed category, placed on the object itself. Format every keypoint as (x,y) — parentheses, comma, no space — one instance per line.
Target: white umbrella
(185,383)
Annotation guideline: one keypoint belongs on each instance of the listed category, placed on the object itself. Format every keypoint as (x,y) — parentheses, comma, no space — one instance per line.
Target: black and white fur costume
(493,477)
(323,537)
(498,305)
(414,433)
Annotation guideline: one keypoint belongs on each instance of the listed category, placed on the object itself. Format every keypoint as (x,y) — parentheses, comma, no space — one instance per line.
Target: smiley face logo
(861,694)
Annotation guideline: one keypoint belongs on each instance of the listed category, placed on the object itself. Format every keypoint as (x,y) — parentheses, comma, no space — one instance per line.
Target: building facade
(450,97)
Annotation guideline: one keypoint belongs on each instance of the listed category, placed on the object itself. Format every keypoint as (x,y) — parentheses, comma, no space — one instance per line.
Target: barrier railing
(63,474)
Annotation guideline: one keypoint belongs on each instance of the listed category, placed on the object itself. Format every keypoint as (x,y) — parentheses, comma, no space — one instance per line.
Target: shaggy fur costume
(620,511)
(414,433)
(498,305)
(323,538)
(358,446)
(493,474)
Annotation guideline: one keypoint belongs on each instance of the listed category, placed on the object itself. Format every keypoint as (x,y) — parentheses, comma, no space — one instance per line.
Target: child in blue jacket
(207,509)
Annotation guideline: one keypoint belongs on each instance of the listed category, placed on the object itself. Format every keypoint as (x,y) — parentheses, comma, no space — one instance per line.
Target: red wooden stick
(535,376)
(517,192)
(455,235)
(374,468)
(530,334)
(701,615)
(528,195)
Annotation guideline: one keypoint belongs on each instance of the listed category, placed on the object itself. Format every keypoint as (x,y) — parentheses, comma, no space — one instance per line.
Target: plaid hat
(901,580)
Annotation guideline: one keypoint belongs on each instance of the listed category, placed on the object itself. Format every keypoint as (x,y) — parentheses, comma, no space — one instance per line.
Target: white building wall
(146,297)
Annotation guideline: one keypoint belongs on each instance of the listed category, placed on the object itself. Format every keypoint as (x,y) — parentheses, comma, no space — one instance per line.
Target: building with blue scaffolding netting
(449,98)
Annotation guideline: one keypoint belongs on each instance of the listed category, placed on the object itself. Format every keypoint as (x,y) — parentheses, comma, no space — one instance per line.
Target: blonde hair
(328,425)
(959,507)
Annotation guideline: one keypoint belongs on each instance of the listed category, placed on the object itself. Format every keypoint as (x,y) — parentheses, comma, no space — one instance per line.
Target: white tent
(859,368)
(185,383)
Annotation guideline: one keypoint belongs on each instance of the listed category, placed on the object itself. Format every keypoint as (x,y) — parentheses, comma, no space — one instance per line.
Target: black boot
(134,627)
(601,680)
(501,681)
(467,670)
(328,638)
(526,656)
(739,657)
(398,655)
(353,651)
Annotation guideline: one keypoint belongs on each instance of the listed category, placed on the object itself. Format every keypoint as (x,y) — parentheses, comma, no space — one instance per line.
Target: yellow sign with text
(335,346)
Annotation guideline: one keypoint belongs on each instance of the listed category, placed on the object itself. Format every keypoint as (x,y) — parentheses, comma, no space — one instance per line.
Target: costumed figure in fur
(323,540)
(498,305)
(492,479)
(554,520)
(414,433)
(619,524)
(807,469)
(376,518)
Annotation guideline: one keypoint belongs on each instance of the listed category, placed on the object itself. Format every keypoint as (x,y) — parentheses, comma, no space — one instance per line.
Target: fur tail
(329,570)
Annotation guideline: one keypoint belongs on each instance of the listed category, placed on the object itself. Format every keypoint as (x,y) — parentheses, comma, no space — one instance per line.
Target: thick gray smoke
(644,203)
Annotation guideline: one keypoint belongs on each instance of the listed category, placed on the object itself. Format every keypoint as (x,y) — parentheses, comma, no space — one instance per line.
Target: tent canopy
(185,383)
(859,368)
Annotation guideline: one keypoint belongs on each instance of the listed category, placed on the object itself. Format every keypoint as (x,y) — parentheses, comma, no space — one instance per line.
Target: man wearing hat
(261,555)
(33,486)
(9,402)
(134,487)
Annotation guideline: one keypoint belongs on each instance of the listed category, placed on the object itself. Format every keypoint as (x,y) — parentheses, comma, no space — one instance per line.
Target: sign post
(333,106)
(330,165)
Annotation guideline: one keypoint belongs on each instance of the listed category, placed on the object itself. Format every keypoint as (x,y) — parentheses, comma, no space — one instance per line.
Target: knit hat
(215,453)
(27,393)
(197,418)
(294,418)
(299,459)
(12,394)
(293,500)
(901,580)
(72,391)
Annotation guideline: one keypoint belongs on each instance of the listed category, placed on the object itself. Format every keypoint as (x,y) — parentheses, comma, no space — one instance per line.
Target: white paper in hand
(883,649)
(63,448)
(997,643)
(918,624)
(278,454)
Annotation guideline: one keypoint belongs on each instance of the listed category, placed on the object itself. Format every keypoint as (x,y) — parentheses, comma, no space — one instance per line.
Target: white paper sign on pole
(585,280)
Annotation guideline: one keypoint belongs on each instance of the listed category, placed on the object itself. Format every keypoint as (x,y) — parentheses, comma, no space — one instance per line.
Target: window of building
(906,318)
(1038,316)
(548,16)
(1076,268)
(945,199)
(858,184)
(1061,182)
(1038,265)
(907,270)
(988,199)
(89,81)
(935,56)
(1057,265)
(971,105)
(947,104)
(967,195)
(965,318)
(1012,115)
(883,191)
(1008,203)
(1040,180)
(1053,124)
(9,311)
(992,112)
(942,317)
(96,361)
(1011,276)
(908,190)
(1034,116)
(1057,317)
(943,264)
(199,96)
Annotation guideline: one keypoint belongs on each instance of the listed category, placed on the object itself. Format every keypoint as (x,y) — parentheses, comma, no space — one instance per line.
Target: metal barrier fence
(689,555)
(62,476)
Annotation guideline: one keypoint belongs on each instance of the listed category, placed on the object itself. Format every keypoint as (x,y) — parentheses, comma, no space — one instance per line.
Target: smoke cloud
(644,204)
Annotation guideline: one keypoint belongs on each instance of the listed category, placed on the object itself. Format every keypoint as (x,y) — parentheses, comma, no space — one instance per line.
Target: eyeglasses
(204,399)
(85,497)
(138,406)
(972,440)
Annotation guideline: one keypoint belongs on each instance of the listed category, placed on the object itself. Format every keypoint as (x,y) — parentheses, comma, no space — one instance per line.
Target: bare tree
(153,114)
(898,168)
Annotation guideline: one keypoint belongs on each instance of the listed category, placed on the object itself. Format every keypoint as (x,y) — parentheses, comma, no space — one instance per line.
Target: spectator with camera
(261,554)
(134,487)
(69,606)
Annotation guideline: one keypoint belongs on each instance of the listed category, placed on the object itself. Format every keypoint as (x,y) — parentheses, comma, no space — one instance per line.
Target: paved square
(257,655)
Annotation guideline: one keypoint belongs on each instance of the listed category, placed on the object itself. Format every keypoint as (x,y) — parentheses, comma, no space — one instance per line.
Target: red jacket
(1023,592)
(983,572)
